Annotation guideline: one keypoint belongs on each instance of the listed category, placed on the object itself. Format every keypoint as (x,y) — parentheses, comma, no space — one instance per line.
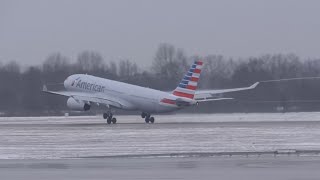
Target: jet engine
(77,105)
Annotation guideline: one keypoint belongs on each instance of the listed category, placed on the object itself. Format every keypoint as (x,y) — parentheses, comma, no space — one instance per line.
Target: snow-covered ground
(175,118)
(69,137)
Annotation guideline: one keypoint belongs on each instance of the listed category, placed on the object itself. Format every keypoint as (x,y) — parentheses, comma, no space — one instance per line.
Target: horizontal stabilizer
(290,79)
(212,99)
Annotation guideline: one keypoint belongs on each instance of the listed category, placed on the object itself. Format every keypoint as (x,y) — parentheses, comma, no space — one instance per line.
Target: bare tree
(12,67)
(113,68)
(170,65)
(55,62)
(164,55)
(127,69)
(89,61)
(217,72)
(10,89)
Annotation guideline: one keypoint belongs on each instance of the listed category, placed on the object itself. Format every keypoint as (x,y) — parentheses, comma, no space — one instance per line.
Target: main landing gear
(147,117)
(110,118)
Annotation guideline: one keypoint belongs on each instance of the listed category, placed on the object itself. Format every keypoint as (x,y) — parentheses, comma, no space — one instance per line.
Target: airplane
(84,90)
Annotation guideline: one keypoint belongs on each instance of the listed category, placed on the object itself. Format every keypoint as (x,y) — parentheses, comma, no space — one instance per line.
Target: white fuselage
(131,97)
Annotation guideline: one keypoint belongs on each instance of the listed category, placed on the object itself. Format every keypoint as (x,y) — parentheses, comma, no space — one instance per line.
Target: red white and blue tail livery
(84,91)
(188,86)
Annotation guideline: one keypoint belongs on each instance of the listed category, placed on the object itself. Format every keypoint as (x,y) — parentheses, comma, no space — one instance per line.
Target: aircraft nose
(67,82)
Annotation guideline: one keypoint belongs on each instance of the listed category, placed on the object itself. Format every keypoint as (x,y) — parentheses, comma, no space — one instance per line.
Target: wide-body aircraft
(85,90)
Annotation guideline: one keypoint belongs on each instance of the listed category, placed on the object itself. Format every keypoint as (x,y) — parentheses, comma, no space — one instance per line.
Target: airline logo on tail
(189,83)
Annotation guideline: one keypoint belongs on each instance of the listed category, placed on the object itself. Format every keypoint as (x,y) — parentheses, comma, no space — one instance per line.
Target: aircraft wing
(215,95)
(91,98)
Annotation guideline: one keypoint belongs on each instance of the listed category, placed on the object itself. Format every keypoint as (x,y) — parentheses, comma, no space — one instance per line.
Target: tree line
(20,89)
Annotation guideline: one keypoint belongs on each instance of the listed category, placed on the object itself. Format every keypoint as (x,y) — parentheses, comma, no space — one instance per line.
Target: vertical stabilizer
(189,83)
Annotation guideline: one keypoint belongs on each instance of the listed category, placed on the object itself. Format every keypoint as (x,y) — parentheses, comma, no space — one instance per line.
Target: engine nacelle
(77,105)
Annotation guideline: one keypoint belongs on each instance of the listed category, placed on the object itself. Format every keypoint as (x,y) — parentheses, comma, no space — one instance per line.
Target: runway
(240,168)
(226,146)
(75,137)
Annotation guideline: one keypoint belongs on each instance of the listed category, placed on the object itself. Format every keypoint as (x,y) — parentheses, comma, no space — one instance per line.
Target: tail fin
(189,83)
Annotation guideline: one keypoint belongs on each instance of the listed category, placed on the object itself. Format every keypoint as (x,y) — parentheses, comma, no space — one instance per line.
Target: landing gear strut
(147,117)
(143,114)
(110,118)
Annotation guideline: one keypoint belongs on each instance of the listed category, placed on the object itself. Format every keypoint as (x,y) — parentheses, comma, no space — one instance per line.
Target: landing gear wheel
(109,120)
(109,117)
(114,120)
(147,117)
(105,116)
(143,115)
(151,120)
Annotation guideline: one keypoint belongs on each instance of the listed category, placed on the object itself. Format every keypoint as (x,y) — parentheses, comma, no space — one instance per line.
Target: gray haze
(31,30)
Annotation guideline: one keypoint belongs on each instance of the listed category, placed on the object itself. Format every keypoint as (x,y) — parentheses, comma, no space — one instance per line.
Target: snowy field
(77,137)
(175,118)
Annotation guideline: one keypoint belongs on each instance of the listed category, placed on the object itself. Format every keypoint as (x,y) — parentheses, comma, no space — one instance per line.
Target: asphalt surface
(176,147)
(240,168)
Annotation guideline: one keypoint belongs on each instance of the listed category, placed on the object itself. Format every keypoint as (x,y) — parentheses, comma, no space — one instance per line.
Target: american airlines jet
(85,90)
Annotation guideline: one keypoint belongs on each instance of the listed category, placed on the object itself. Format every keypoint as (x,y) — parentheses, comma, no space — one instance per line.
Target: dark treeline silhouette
(20,89)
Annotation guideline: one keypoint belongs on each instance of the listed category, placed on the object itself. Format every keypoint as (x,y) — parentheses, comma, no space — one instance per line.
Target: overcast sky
(32,29)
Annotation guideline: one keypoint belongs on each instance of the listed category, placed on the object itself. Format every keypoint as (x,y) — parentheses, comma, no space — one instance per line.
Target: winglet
(44,88)
(254,85)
